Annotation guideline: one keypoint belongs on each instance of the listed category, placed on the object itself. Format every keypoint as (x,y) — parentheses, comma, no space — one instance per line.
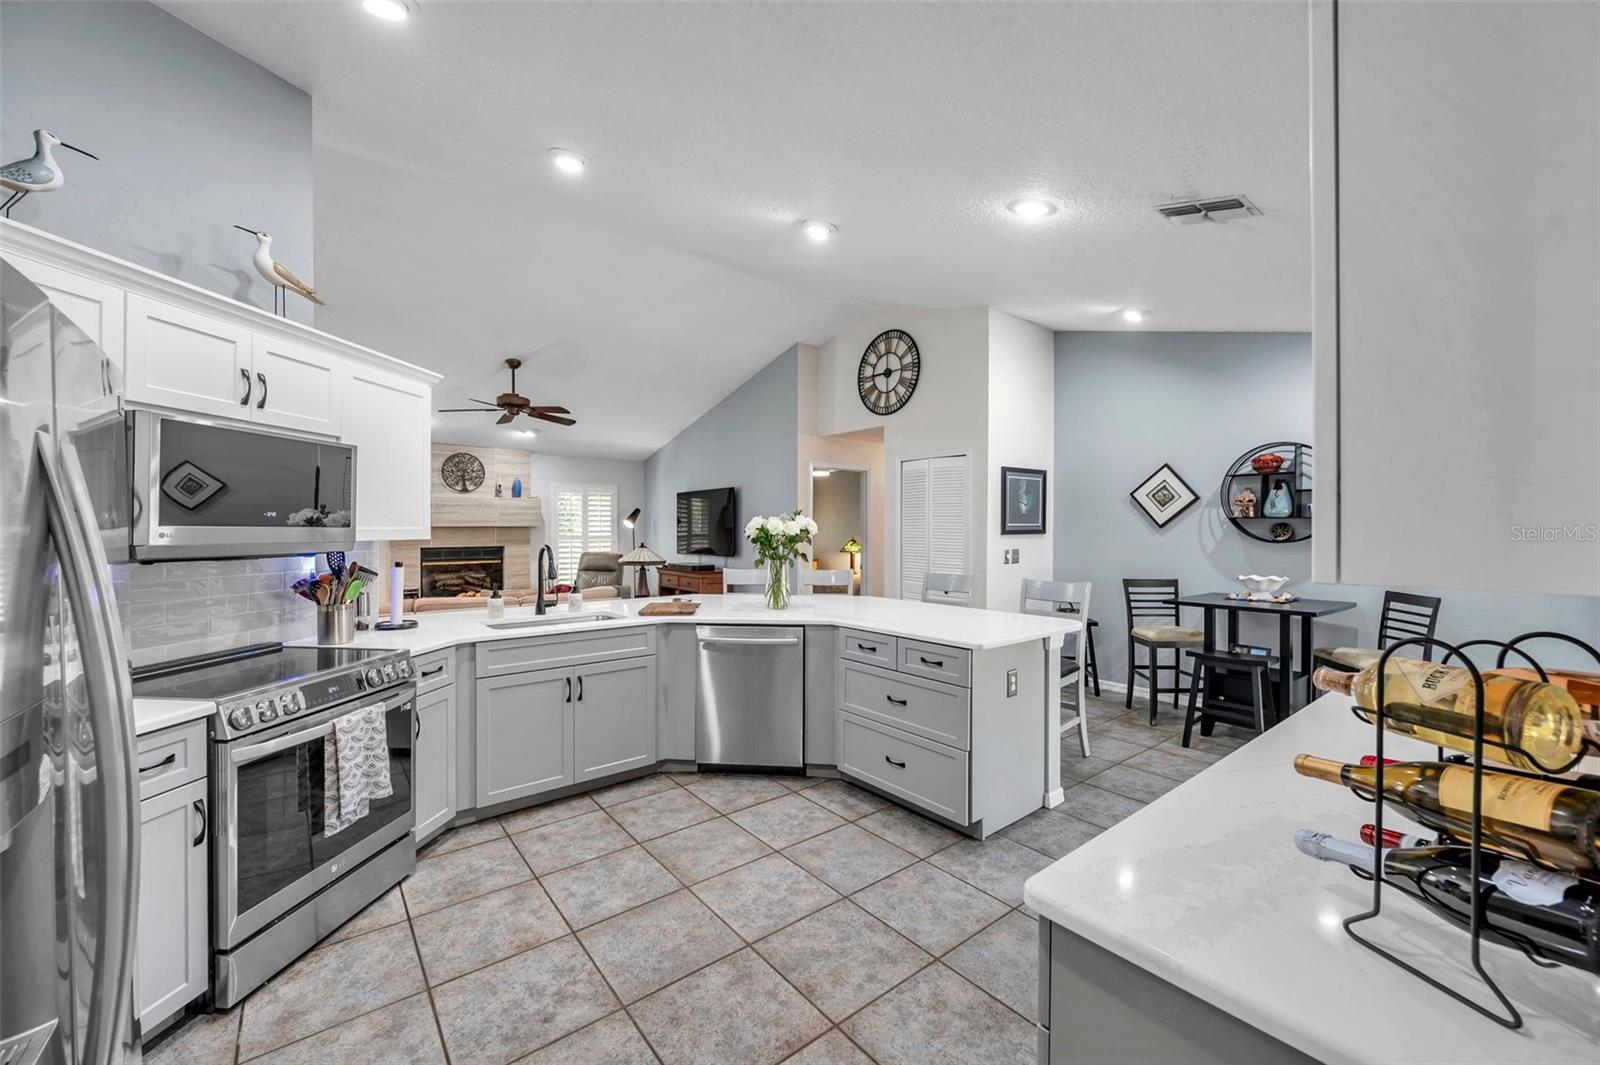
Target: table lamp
(644,558)
(852,547)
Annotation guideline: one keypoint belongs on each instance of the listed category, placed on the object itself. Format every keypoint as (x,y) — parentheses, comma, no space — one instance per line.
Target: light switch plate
(1011,683)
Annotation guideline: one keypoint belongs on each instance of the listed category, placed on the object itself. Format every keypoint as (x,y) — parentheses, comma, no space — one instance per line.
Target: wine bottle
(1584,687)
(1391,838)
(1370,760)
(1526,724)
(1555,915)
(1554,824)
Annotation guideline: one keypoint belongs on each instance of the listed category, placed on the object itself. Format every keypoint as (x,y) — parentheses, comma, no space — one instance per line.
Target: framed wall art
(1022,500)
(1164,495)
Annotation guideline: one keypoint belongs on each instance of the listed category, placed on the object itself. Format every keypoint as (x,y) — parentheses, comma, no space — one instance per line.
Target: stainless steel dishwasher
(750,699)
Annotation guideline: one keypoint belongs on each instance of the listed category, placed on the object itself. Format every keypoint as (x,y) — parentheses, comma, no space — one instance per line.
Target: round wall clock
(889,370)
(461,472)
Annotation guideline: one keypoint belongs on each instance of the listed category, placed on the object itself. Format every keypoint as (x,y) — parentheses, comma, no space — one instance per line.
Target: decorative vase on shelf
(779,540)
(777,585)
(516,488)
(1279,503)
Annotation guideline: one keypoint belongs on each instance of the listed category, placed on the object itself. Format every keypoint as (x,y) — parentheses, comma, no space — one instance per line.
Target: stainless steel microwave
(205,489)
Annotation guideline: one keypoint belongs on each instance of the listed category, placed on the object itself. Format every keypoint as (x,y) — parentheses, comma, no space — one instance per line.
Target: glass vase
(777,585)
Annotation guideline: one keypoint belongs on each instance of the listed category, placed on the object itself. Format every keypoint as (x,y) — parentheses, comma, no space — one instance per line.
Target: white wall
(551,470)
(948,413)
(1022,412)
(861,449)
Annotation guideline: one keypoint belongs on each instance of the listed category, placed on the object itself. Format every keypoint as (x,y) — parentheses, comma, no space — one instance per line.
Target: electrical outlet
(1011,683)
(1016,554)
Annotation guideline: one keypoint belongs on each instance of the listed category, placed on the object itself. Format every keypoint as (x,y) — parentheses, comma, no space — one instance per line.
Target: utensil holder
(337,623)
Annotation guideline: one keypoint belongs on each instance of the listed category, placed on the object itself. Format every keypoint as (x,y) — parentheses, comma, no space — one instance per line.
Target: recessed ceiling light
(820,473)
(568,162)
(388,10)
(1133,315)
(820,232)
(1031,209)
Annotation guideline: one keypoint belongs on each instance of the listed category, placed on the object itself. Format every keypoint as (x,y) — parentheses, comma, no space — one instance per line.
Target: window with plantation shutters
(586,520)
(935,520)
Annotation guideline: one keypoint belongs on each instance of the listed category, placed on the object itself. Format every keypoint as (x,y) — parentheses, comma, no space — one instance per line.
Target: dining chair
(1405,616)
(947,588)
(827,581)
(733,579)
(1153,625)
(1068,599)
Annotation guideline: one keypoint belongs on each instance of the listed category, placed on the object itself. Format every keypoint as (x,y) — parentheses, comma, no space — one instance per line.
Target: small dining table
(1304,609)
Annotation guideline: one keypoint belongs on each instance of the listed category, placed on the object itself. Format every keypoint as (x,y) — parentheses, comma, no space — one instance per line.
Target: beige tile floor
(702,918)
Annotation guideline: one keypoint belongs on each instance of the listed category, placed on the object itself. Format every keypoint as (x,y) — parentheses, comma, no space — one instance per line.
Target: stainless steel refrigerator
(69,834)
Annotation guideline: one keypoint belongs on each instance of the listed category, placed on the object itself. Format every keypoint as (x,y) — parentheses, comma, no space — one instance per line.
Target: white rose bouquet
(778,541)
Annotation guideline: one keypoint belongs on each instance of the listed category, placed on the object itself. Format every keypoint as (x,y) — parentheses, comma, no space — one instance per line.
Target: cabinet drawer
(952,665)
(572,649)
(935,711)
(925,774)
(434,670)
(867,647)
(171,757)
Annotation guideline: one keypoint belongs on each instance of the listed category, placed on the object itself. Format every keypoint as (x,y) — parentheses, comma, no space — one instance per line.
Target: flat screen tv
(705,522)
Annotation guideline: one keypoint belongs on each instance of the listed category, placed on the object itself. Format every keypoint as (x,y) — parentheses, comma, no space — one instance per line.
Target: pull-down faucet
(543,571)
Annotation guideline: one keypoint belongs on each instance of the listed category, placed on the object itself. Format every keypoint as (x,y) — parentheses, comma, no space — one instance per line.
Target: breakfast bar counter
(1195,931)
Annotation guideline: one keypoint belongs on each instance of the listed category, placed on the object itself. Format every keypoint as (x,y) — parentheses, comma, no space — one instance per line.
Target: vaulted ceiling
(643,291)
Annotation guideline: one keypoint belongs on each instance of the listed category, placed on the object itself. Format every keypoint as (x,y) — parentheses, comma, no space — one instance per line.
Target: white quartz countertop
(1205,889)
(955,626)
(153,715)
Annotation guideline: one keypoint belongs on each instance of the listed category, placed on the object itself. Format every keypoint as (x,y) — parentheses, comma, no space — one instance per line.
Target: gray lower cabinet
(614,717)
(524,734)
(433,762)
(173,905)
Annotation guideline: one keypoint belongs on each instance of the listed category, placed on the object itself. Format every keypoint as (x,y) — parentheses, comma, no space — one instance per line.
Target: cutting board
(675,608)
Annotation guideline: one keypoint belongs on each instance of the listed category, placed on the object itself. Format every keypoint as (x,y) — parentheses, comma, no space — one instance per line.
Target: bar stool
(1206,668)
(1405,616)
(1065,599)
(1092,672)
(1153,625)
(733,578)
(948,588)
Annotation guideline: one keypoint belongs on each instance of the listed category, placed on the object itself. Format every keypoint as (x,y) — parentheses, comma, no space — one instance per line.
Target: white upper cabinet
(297,386)
(388,417)
(189,361)
(1457,348)
(95,306)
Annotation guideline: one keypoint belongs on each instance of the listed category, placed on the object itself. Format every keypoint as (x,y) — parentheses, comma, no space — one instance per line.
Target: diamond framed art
(1164,495)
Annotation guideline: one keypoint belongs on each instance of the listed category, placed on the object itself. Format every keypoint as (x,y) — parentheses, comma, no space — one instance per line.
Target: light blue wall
(750,440)
(1127,402)
(192,138)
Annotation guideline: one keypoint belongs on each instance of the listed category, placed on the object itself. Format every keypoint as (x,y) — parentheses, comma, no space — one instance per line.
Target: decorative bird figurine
(278,275)
(38,173)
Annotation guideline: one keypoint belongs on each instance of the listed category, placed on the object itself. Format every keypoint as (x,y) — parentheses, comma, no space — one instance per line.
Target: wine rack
(1508,1016)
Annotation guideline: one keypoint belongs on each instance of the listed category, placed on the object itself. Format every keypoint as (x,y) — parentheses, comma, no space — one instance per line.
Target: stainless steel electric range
(280,879)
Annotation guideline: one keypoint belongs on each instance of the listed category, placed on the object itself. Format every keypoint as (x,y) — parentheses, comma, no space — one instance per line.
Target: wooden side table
(672,580)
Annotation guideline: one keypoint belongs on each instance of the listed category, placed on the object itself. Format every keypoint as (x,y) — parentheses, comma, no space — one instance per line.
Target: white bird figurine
(38,173)
(278,275)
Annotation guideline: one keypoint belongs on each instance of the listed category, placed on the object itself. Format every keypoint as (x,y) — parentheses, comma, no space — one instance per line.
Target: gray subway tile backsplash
(176,609)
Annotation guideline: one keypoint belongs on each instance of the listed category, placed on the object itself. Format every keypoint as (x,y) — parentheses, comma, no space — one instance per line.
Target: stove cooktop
(255,687)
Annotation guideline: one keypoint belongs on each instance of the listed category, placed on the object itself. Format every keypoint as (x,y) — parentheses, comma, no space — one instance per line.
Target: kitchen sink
(552,619)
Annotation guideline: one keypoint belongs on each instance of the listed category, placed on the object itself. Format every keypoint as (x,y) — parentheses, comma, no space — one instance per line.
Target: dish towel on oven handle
(355,758)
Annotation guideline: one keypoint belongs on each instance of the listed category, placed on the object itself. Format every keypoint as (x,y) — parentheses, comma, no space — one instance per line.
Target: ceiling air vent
(1217,209)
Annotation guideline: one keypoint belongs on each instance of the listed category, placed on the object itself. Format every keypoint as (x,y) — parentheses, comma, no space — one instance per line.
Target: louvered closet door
(935,520)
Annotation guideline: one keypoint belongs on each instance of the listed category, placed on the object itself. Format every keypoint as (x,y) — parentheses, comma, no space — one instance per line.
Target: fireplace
(451,571)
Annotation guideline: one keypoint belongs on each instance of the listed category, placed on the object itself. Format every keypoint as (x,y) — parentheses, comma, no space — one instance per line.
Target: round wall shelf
(1293,473)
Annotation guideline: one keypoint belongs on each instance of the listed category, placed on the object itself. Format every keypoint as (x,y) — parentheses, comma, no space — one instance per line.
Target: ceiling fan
(510,404)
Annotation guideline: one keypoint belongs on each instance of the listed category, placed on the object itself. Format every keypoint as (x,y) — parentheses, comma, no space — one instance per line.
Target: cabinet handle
(249,387)
(891,761)
(416,727)
(172,756)
(867,649)
(897,702)
(434,672)
(936,663)
(262,402)
(569,689)
(200,808)
(580,687)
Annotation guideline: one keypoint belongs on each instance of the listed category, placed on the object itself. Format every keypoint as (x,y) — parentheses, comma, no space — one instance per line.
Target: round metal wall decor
(889,370)
(1267,492)
(462,472)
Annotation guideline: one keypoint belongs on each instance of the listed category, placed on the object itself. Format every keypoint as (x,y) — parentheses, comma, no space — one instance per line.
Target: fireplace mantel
(481,508)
